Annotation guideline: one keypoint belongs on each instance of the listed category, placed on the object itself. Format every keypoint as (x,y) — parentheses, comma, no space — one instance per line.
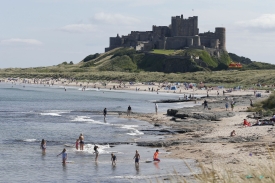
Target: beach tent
(173,88)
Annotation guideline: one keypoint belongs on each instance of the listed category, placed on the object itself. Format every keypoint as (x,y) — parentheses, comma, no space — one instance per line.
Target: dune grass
(247,79)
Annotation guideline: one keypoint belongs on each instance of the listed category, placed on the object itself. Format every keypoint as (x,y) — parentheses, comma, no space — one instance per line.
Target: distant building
(182,33)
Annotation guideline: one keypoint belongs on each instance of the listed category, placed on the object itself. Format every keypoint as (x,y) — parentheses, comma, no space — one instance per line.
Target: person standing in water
(156,108)
(113,159)
(96,152)
(129,110)
(43,146)
(64,156)
(104,112)
(81,139)
(137,157)
(156,154)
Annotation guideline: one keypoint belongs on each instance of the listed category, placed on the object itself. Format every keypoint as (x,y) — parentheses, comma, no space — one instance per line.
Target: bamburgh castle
(182,33)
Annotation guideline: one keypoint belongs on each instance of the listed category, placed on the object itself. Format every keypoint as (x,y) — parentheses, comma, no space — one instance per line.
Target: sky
(38,33)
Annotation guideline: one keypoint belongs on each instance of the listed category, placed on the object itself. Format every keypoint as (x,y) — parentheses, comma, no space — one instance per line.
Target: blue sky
(48,32)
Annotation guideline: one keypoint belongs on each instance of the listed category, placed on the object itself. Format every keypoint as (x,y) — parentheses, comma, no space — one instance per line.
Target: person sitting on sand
(246,123)
(258,123)
(233,133)
(156,154)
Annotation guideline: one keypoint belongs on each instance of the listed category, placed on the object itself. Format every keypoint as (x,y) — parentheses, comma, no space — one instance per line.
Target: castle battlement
(180,34)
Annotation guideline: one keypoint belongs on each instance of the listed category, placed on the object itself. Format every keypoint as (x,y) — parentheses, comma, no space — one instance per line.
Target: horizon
(39,33)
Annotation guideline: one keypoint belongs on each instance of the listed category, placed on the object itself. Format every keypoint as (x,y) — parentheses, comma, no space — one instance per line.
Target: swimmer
(113,159)
(96,152)
(137,157)
(43,146)
(155,157)
(64,156)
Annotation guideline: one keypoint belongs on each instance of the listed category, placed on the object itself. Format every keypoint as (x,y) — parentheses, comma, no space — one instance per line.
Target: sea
(30,113)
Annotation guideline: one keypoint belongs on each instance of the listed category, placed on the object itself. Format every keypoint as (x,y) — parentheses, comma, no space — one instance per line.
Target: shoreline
(209,142)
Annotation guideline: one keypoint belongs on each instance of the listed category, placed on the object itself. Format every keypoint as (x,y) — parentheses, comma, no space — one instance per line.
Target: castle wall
(161,31)
(174,43)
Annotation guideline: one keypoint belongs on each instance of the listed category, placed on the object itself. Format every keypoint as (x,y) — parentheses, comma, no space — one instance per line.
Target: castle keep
(182,33)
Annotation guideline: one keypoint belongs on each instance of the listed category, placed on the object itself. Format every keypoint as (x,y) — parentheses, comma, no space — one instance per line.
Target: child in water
(76,144)
(64,156)
(113,159)
(156,154)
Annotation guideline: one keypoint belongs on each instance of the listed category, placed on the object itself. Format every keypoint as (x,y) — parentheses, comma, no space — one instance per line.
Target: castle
(182,33)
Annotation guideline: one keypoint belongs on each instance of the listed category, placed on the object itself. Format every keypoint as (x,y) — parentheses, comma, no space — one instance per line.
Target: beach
(206,141)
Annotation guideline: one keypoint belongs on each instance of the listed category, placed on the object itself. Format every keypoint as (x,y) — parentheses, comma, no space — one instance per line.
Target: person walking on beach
(155,157)
(104,112)
(113,159)
(64,156)
(205,104)
(81,139)
(232,105)
(156,108)
(96,152)
(137,157)
(129,110)
(226,105)
(43,146)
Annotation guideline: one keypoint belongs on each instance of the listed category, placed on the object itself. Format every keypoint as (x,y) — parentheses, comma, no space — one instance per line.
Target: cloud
(115,19)
(79,28)
(264,22)
(21,41)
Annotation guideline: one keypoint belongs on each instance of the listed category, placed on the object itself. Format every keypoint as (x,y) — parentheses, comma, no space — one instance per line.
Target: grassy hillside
(169,65)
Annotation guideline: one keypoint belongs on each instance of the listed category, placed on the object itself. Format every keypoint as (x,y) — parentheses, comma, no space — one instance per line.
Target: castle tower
(220,34)
(197,40)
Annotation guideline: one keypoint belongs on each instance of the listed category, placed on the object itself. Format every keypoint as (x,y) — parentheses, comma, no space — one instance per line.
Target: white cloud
(79,28)
(116,19)
(21,41)
(264,22)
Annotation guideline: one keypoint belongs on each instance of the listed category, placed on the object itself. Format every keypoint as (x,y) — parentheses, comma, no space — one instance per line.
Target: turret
(220,34)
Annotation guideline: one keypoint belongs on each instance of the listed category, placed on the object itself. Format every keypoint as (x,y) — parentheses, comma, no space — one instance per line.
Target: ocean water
(34,112)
